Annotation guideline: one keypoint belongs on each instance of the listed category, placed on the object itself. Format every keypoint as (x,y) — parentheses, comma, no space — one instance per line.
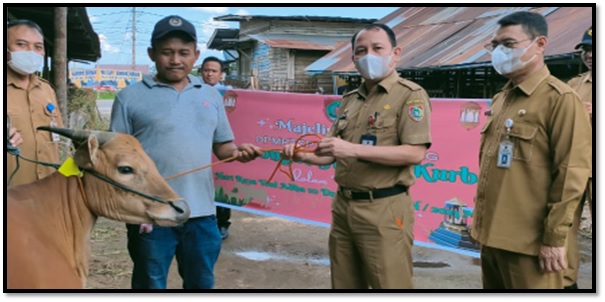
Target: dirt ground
(272,253)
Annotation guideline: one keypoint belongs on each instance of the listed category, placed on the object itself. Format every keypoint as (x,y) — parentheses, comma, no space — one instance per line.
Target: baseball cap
(171,24)
(586,38)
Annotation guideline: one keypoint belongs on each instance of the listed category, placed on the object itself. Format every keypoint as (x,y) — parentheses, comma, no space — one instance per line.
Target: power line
(131,25)
(122,45)
(110,14)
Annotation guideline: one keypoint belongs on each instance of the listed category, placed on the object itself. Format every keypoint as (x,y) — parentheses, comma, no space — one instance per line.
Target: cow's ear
(86,155)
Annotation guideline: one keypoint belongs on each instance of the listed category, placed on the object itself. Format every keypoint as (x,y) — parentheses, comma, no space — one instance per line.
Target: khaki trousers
(502,269)
(371,242)
(573,250)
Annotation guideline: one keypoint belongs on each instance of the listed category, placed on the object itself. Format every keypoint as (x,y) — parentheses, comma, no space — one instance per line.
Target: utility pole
(59,60)
(134,37)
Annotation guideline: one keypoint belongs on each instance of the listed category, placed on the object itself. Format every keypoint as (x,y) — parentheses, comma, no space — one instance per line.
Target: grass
(106,95)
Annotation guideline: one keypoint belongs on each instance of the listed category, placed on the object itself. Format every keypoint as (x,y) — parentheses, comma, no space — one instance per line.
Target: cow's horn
(80,136)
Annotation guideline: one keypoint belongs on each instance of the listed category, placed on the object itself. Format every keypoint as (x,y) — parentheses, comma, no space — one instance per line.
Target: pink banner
(446,179)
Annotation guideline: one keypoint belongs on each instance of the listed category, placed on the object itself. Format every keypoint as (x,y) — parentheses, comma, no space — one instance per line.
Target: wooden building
(276,50)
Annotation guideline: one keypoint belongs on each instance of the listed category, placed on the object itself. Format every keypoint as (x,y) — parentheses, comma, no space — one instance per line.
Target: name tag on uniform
(368,139)
(54,136)
(505,154)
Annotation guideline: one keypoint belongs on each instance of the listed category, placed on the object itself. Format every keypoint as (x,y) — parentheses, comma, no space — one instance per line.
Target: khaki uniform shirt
(26,108)
(532,203)
(403,118)
(582,84)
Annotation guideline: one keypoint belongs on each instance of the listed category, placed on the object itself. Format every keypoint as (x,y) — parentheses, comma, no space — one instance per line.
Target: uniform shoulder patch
(574,80)
(559,86)
(45,81)
(413,86)
(583,75)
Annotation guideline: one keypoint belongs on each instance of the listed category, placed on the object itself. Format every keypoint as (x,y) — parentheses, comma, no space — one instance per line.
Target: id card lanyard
(505,148)
(53,122)
(368,138)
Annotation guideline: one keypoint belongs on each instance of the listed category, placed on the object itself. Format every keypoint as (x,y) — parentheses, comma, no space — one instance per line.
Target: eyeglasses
(586,49)
(506,43)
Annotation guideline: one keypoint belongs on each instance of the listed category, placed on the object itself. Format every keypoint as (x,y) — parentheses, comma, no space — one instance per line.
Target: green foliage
(107,95)
(84,102)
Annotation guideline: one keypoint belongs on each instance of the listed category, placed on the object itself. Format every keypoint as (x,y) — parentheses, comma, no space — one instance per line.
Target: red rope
(201,168)
(298,148)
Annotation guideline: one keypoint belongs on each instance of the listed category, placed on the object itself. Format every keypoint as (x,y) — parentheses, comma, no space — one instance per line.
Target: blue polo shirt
(177,130)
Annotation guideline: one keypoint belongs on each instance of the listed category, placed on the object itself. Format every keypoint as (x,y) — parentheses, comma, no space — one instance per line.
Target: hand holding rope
(297,149)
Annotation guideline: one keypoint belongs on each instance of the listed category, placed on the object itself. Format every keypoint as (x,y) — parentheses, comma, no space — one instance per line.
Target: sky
(114,26)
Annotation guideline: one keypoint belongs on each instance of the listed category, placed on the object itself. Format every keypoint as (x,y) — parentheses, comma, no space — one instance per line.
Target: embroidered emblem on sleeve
(416,112)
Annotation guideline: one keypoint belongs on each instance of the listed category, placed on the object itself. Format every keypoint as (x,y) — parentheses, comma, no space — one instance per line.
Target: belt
(375,194)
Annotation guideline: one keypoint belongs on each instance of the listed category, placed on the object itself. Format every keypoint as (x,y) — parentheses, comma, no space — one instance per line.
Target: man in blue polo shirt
(180,123)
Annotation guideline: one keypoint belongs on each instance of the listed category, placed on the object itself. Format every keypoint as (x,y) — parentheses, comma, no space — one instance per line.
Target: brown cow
(49,222)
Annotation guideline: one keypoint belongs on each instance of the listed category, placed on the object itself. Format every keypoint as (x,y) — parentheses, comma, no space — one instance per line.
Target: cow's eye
(125,170)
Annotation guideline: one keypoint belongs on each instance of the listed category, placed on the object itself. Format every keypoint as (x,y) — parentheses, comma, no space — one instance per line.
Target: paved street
(105,107)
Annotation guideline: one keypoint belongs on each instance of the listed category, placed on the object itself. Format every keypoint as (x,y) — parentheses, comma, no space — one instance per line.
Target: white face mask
(373,67)
(507,60)
(25,62)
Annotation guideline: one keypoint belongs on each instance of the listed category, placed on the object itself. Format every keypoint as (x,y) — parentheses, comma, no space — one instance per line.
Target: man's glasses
(506,43)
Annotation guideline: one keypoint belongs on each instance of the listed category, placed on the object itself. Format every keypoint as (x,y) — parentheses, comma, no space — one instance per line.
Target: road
(104,107)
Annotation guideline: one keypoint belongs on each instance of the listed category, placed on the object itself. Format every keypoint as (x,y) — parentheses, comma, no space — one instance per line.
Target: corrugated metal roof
(299,41)
(292,18)
(220,36)
(436,37)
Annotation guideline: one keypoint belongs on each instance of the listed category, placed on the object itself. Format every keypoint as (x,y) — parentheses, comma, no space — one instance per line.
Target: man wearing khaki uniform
(382,130)
(534,163)
(31,103)
(582,84)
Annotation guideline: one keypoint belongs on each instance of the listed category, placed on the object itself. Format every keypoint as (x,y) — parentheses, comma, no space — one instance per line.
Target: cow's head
(120,157)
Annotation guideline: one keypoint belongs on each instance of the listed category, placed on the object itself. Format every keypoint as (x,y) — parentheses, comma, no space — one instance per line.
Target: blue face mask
(25,62)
